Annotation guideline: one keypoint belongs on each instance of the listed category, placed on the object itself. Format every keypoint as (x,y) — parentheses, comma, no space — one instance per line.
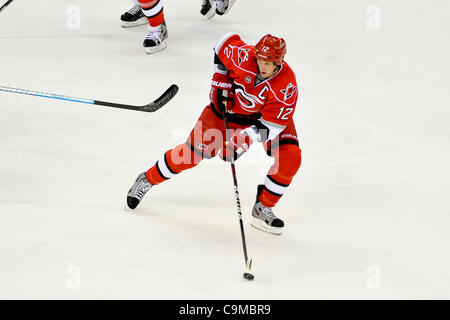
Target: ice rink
(367,216)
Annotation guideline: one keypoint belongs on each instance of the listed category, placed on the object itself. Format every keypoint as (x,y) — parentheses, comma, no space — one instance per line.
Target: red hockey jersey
(275,98)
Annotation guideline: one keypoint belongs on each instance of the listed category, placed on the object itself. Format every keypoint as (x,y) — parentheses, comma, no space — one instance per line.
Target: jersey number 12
(283,115)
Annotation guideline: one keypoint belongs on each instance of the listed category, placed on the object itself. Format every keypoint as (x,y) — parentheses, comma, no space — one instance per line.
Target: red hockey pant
(208,137)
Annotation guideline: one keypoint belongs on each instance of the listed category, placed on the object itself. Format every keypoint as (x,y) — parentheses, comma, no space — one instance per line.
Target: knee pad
(288,159)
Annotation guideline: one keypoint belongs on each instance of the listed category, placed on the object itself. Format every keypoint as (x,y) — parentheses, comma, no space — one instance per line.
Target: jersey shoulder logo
(289,91)
(243,55)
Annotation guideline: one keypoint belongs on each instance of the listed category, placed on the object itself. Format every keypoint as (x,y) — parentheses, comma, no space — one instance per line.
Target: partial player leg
(133,17)
(287,156)
(174,161)
(204,141)
(156,38)
(208,8)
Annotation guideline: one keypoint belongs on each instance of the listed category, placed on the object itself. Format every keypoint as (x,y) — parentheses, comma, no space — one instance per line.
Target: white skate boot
(138,191)
(156,39)
(263,217)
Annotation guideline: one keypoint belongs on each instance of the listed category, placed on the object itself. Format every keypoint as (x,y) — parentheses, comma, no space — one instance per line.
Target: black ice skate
(156,39)
(223,6)
(133,17)
(138,191)
(208,8)
(263,217)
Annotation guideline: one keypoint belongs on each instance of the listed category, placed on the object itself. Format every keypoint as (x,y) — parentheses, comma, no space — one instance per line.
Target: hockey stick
(248,262)
(5,5)
(151,107)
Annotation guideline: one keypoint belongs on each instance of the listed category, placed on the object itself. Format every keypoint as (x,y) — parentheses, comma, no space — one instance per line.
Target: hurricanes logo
(247,101)
(289,91)
(243,55)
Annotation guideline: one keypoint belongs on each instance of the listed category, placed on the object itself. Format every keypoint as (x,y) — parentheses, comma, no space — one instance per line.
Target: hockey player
(151,12)
(211,7)
(257,91)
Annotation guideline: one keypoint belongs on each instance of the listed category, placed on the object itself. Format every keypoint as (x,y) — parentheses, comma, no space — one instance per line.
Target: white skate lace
(134,10)
(221,5)
(156,35)
(142,189)
(269,213)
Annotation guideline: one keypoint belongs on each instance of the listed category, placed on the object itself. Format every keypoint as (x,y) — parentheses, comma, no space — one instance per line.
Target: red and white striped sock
(153,10)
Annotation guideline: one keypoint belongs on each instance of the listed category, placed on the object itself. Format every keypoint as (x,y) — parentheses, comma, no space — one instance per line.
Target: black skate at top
(132,15)
(206,6)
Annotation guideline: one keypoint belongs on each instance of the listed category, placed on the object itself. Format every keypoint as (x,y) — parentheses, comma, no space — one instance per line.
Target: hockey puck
(248,276)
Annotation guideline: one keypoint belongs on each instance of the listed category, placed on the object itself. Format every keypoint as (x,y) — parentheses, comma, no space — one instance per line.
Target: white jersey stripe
(219,43)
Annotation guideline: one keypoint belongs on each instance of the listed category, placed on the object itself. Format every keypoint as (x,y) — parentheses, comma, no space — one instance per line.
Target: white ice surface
(367,216)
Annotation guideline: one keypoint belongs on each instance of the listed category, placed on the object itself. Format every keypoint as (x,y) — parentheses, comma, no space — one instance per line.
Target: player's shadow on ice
(192,216)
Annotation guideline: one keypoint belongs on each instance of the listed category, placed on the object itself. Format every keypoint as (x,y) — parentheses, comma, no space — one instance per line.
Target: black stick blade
(151,107)
(162,100)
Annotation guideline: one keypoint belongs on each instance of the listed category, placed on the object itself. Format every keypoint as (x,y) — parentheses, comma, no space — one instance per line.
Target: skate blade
(261,225)
(212,10)
(211,13)
(151,50)
(136,23)
(230,4)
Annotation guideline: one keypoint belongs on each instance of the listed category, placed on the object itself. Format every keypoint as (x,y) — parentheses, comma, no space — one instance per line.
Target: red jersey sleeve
(227,49)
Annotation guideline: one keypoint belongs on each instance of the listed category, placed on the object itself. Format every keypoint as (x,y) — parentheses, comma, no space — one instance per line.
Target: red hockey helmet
(271,49)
